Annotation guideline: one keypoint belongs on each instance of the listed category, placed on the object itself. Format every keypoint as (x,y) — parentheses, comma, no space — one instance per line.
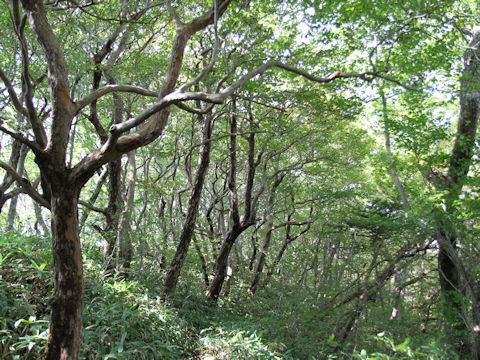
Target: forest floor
(127,319)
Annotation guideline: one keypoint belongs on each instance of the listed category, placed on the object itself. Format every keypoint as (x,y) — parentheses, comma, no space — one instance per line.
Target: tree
(82,70)
(61,184)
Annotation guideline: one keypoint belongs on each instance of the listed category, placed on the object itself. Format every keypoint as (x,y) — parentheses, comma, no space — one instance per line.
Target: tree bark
(8,180)
(112,215)
(221,264)
(65,327)
(12,209)
(203,262)
(454,281)
(268,237)
(237,226)
(173,272)
(124,240)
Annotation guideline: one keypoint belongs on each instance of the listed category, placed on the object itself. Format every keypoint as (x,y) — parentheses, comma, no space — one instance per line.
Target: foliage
(344,252)
(25,284)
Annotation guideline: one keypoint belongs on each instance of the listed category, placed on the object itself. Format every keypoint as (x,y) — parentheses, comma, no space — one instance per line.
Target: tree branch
(25,184)
(12,94)
(20,137)
(92,207)
(80,104)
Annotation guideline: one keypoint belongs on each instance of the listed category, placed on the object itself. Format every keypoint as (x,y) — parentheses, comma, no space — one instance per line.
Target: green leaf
(402,346)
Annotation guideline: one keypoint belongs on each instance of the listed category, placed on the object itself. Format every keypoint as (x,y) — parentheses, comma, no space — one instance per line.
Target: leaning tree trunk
(176,264)
(221,264)
(65,325)
(268,235)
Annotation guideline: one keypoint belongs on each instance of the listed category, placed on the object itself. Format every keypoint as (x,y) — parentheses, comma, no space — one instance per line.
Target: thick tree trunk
(65,325)
(453,276)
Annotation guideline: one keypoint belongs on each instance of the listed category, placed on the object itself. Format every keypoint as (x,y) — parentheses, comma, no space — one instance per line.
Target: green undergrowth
(128,319)
(123,319)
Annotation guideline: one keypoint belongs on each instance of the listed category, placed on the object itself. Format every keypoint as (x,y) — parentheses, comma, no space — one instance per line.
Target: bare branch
(80,104)
(168,100)
(92,207)
(172,12)
(395,81)
(12,94)
(293,223)
(20,137)
(26,185)
(194,110)
(213,59)
(27,86)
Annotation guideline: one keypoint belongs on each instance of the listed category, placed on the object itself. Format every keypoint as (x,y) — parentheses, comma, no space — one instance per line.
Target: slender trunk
(112,215)
(221,264)
(93,198)
(178,260)
(388,149)
(236,229)
(268,235)
(12,210)
(288,240)
(65,325)
(342,332)
(237,226)
(161,214)
(263,254)
(124,225)
(39,220)
(230,271)
(202,261)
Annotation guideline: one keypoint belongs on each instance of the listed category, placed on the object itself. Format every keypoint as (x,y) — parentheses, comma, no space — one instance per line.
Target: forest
(239,179)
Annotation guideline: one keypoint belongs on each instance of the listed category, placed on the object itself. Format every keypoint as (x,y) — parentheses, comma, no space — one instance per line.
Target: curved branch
(194,110)
(92,207)
(12,94)
(80,104)
(172,98)
(17,136)
(25,184)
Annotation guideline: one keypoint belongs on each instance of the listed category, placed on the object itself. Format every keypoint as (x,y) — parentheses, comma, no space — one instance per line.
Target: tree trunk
(266,244)
(176,264)
(65,325)
(453,276)
(124,225)
(93,198)
(203,262)
(268,235)
(12,210)
(229,275)
(221,264)
(112,215)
